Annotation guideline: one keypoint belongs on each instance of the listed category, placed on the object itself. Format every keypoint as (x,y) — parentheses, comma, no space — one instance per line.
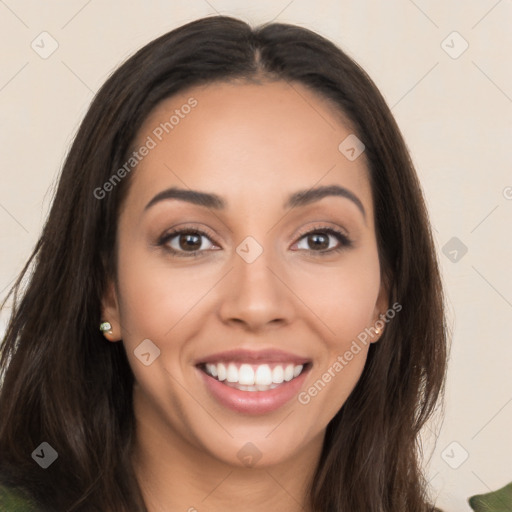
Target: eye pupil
(320,240)
(190,241)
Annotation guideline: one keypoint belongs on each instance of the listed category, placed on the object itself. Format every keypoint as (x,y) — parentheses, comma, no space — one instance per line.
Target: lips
(251,356)
(253,382)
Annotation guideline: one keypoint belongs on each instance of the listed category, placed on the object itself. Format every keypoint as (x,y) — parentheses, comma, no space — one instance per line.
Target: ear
(110,312)
(379,313)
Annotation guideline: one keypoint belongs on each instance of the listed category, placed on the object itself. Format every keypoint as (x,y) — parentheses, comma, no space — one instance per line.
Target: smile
(253,382)
(253,377)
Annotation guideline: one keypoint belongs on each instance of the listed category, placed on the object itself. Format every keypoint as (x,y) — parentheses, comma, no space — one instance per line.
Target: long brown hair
(64,384)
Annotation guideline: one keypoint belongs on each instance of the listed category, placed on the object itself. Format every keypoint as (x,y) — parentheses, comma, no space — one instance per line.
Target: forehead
(247,142)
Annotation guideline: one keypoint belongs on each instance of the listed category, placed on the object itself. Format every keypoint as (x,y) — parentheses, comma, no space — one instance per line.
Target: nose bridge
(254,294)
(252,269)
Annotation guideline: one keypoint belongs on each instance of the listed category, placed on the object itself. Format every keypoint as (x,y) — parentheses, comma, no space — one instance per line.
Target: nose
(255,295)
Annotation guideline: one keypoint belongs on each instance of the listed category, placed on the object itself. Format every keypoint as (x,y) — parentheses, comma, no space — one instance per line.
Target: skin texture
(253,145)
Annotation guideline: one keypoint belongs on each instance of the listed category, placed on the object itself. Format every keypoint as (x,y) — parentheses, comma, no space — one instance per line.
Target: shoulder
(14,500)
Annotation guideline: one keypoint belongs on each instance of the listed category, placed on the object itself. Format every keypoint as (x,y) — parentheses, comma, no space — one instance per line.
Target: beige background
(456,116)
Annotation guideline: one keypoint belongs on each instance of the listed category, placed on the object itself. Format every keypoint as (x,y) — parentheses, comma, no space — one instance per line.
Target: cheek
(343,301)
(344,297)
(162,304)
(155,298)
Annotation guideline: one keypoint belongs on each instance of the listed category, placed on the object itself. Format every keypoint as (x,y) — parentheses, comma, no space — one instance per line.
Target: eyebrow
(305,197)
(191,196)
(297,199)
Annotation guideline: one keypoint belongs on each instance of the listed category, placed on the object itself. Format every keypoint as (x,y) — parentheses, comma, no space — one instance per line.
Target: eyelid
(321,227)
(187,227)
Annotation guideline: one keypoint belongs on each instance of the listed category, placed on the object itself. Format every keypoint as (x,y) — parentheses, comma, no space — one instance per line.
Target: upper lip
(254,356)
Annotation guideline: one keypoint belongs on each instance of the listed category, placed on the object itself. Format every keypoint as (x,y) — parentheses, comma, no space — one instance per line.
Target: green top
(497,501)
(13,500)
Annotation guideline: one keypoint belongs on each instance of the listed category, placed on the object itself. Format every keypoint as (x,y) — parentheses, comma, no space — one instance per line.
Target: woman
(235,301)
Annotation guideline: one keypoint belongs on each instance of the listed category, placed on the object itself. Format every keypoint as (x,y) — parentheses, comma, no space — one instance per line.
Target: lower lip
(253,402)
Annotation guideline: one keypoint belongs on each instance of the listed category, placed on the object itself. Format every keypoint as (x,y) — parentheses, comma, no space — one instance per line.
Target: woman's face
(246,251)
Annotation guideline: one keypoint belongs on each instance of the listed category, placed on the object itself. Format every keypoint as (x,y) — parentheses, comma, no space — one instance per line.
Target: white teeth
(263,375)
(221,372)
(232,375)
(278,375)
(246,375)
(288,373)
(253,377)
(212,370)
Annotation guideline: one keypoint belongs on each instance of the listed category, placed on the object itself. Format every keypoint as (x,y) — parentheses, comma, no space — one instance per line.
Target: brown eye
(187,241)
(317,241)
(324,240)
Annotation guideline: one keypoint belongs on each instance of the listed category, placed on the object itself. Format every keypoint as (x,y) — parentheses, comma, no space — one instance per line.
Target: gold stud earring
(106,328)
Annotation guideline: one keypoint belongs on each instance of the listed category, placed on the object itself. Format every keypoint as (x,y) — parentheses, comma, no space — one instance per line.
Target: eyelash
(344,241)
